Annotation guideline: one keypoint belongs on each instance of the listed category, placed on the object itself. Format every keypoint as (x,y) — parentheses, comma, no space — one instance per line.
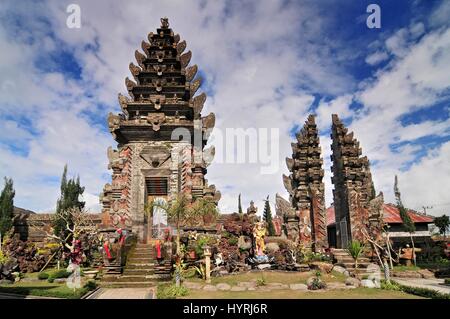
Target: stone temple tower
(161,135)
(306,189)
(353,187)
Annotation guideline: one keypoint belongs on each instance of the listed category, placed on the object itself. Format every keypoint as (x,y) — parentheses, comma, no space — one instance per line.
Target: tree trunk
(414,249)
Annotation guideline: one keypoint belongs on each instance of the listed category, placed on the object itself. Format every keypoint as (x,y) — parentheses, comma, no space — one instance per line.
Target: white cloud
(254,61)
(376,57)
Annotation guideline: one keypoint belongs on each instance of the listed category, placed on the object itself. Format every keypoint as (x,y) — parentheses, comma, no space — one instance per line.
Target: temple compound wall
(161,135)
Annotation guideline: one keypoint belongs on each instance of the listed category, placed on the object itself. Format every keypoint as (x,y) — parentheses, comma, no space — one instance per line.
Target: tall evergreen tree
(70,197)
(373,192)
(267,216)
(240,205)
(443,224)
(7,206)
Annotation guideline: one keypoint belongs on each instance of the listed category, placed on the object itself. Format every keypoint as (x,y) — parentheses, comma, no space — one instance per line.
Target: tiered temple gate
(161,135)
(306,189)
(353,187)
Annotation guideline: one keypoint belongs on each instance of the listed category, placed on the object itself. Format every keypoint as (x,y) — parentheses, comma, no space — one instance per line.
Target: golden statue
(259,232)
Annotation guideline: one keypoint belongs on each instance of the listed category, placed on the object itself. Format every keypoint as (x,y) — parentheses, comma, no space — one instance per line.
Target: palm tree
(176,211)
(355,249)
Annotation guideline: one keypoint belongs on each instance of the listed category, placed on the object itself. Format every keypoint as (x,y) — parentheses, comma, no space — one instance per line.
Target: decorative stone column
(207,254)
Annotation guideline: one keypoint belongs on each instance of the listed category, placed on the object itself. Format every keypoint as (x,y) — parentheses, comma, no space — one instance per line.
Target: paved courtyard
(123,293)
(435,284)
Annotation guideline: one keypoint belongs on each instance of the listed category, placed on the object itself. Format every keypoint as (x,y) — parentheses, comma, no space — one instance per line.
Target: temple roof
(162,92)
(391,215)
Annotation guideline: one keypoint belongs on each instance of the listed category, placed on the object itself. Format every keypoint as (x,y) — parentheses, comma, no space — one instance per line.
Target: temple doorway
(156,220)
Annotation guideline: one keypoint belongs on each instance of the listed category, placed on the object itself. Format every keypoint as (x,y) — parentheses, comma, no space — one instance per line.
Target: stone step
(136,284)
(139,260)
(129,278)
(139,265)
(144,246)
(351,265)
(143,255)
(138,272)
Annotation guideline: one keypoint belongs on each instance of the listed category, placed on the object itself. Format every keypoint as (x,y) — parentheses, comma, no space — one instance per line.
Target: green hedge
(422,292)
(43,276)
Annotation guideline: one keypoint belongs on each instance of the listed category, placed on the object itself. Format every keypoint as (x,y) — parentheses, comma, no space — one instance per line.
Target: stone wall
(33,227)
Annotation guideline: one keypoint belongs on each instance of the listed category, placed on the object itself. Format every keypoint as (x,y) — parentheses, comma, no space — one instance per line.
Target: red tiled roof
(391,215)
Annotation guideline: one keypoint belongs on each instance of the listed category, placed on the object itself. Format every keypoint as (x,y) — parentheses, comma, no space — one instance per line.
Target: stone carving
(140,58)
(158,100)
(195,86)
(208,155)
(155,156)
(113,123)
(185,59)
(145,47)
(135,70)
(191,72)
(176,38)
(376,222)
(123,101)
(130,84)
(209,121)
(181,46)
(155,120)
(198,102)
(164,23)
(283,207)
(159,69)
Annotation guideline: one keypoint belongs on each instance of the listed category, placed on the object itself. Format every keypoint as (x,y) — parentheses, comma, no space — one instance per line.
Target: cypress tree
(70,194)
(239,205)
(267,216)
(373,192)
(7,206)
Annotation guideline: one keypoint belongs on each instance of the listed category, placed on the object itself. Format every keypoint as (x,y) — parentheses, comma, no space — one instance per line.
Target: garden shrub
(56,274)
(90,285)
(261,281)
(232,241)
(43,275)
(172,291)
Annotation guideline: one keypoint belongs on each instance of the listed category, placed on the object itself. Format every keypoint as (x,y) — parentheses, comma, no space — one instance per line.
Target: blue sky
(265,64)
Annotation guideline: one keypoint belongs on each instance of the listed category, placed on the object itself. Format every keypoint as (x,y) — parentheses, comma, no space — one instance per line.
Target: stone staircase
(342,258)
(141,269)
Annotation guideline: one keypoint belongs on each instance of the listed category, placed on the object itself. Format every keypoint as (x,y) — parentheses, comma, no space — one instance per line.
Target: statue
(164,23)
(259,232)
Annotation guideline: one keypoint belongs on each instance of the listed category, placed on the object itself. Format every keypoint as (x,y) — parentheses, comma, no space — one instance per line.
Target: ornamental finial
(165,23)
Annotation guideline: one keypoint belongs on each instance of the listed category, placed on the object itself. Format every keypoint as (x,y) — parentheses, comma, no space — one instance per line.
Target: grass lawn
(406,268)
(357,293)
(291,278)
(44,289)
(284,277)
